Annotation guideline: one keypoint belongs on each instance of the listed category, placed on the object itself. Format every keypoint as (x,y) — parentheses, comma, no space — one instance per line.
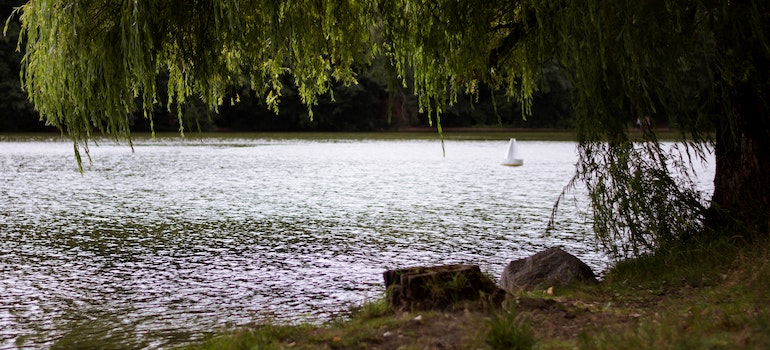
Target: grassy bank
(703,297)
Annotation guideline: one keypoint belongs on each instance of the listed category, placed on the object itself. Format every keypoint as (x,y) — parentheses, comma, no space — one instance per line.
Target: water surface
(160,246)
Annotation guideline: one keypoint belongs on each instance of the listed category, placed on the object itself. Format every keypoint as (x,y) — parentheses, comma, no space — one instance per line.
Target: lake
(182,237)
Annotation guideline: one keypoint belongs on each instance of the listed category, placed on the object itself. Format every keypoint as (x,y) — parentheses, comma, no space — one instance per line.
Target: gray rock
(552,267)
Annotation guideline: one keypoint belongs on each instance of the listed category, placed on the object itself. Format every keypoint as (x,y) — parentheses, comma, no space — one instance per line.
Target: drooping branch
(515,36)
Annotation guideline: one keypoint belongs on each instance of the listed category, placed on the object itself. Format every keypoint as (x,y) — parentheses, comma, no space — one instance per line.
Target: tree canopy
(700,63)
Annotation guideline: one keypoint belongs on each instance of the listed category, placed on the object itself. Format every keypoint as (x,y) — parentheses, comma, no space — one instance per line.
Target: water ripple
(161,246)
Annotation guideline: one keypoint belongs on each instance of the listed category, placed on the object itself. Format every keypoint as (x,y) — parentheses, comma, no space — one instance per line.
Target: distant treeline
(16,113)
(376,103)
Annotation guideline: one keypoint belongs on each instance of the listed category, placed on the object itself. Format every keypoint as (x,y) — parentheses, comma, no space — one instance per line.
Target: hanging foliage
(701,65)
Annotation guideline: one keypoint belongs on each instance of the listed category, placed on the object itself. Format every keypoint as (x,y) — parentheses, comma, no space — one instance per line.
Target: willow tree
(702,64)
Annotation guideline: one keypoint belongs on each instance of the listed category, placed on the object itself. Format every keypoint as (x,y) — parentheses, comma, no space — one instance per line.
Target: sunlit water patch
(180,238)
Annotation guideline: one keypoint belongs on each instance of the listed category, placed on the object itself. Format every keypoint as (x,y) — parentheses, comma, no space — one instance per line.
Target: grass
(401,330)
(705,296)
(506,331)
(712,297)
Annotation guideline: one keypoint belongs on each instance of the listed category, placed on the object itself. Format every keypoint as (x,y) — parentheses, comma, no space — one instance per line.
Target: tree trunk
(741,202)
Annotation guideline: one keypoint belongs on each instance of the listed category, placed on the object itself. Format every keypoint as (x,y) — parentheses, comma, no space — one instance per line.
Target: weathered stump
(552,267)
(438,287)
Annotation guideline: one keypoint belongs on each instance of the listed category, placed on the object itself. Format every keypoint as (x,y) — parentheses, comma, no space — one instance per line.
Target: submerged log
(438,287)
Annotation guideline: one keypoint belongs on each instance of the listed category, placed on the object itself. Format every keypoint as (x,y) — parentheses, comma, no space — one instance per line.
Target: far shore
(491,133)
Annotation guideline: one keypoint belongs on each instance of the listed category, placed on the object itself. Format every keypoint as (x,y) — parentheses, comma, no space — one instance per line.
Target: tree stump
(437,287)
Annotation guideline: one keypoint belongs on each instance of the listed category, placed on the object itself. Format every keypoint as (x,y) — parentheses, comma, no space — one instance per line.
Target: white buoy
(512,157)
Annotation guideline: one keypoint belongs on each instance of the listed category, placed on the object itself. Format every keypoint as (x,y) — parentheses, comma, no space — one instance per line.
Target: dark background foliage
(16,113)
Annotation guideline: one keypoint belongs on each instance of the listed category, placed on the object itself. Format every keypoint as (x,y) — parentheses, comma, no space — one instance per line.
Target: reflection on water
(181,238)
